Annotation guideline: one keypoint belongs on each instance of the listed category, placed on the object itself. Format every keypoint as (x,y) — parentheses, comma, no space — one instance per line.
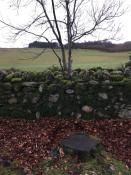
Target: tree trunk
(69,62)
(69,36)
(64,59)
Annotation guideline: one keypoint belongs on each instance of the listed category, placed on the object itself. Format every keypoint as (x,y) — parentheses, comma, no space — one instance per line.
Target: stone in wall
(53,98)
(6,86)
(116,72)
(87,109)
(78,115)
(2,74)
(70,91)
(106,82)
(12,100)
(103,95)
(127,71)
(30,84)
(102,74)
(93,82)
(126,112)
(35,99)
(40,88)
(37,115)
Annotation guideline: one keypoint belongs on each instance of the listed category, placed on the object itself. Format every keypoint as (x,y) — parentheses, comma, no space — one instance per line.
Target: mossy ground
(102,164)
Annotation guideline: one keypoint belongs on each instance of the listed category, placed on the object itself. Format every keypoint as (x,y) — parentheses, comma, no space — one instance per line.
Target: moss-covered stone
(116,77)
(9,76)
(53,88)
(14,80)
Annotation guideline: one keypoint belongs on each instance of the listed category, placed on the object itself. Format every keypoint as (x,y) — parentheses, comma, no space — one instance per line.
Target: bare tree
(68,21)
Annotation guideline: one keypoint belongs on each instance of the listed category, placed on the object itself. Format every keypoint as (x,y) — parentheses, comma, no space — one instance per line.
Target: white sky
(11,15)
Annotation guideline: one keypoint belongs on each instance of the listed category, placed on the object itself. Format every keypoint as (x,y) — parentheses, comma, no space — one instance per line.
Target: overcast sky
(11,15)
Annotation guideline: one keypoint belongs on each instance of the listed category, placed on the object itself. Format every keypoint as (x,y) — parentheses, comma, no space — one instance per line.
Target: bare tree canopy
(68,21)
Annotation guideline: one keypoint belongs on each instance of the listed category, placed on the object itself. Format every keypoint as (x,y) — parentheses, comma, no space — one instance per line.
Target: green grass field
(22,59)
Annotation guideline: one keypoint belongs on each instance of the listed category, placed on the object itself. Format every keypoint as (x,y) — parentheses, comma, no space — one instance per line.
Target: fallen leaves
(29,142)
(129,131)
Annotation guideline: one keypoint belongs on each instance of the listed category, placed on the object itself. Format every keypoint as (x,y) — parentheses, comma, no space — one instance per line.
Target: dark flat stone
(80,142)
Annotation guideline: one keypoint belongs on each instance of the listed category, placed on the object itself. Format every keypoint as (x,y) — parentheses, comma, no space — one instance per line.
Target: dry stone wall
(34,99)
(53,96)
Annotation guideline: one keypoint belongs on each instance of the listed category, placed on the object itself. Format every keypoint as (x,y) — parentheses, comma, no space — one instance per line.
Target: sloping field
(23,59)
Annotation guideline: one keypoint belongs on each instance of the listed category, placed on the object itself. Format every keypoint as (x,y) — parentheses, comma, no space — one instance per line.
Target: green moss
(9,76)
(96,68)
(58,77)
(128,64)
(116,77)
(127,80)
(66,82)
(52,88)
(124,82)
(102,164)
(120,167)
(80,87)
(10,171)
(13,80)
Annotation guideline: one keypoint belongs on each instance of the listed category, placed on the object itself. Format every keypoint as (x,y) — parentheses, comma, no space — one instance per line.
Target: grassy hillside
(22,59)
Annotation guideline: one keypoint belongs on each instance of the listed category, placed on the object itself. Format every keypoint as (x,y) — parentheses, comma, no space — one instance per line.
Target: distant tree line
(37,44)
(96,45)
